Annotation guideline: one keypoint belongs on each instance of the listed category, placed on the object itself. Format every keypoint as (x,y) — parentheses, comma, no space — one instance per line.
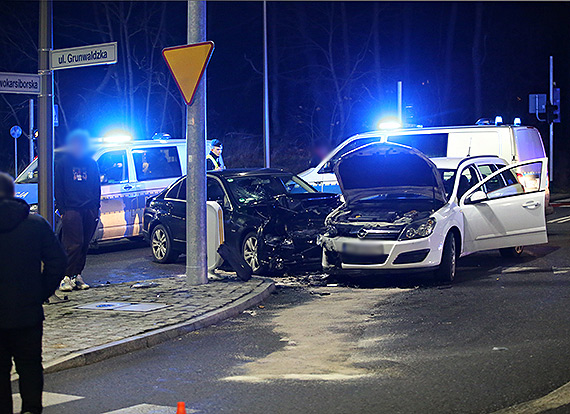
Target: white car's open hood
(386,168)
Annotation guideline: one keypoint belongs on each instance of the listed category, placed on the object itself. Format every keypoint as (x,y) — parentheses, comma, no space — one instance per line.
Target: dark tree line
(333,68)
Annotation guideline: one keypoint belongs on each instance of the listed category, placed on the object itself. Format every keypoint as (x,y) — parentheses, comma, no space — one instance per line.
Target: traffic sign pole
(45,104)
(551,126)
(196,249)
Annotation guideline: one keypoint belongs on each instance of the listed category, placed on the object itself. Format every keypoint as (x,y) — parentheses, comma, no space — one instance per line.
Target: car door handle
(127,187)
(531,205)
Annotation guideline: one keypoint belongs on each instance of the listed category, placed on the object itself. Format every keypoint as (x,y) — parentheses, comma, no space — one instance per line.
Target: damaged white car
(403,211)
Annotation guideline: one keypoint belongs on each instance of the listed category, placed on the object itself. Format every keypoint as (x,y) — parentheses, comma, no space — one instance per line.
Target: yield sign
(187,64)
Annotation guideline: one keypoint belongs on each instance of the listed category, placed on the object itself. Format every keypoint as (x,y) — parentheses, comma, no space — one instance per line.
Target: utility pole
(266,147)
(31,129)
(45,144)
(551,126)
(196,251)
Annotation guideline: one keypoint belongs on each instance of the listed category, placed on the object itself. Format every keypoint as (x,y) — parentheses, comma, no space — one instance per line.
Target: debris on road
(144,285)
(500,348)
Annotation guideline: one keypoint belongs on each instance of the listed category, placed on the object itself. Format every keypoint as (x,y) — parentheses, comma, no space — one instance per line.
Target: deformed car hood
(386,168)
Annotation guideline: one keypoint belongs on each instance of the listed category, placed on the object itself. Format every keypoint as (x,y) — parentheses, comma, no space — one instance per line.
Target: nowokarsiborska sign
(19,83)
(75,57)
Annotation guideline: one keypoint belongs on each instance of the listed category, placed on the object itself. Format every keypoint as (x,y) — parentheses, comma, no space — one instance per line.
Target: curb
(157,336)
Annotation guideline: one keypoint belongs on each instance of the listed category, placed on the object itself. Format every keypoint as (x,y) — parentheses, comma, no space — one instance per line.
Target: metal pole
(266,147)
(31,129)
(15,157)
(196,251)
(400,102)
(551,146)
(45,104)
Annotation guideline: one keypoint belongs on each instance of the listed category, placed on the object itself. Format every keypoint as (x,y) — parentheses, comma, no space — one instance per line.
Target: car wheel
(446,271)
(511,252)
(249,252)
(161,245)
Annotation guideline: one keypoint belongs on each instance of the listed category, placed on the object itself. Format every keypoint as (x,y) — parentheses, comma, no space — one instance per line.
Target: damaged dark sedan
(272,217)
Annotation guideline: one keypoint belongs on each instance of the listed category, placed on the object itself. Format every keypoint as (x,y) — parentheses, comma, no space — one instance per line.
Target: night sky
(333,69)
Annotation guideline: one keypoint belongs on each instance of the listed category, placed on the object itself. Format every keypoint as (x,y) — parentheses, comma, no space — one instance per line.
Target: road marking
(526,269)
(49,399)
(148,409)
(557,398)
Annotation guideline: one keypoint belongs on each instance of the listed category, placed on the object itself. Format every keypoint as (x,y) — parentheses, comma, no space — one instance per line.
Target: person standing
(32,264)
(78,200)
(214,160)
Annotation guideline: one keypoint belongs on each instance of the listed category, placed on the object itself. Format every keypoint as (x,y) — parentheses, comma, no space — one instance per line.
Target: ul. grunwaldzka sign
(76,57)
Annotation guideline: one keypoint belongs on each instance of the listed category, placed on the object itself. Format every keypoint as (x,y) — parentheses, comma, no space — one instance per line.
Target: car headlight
(418,229)
(33,208)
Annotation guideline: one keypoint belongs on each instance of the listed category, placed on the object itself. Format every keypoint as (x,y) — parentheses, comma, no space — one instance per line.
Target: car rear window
(156,163)
(432,145)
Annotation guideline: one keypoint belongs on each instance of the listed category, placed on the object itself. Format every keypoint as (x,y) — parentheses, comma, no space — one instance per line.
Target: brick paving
(68,329)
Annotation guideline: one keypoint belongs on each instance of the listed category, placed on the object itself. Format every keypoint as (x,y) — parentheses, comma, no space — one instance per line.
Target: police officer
(214,159)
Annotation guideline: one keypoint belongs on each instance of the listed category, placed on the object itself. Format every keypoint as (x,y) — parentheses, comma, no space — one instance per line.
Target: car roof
(248,172)
(452,163)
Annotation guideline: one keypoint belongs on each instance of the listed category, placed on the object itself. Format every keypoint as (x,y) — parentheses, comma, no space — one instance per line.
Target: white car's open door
(506,209)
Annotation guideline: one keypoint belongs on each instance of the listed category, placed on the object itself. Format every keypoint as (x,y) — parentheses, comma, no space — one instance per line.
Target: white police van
(512,143)
(131,171)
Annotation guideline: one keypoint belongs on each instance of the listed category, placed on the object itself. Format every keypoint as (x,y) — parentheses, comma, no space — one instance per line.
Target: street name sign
(77,57)
(187,64)
(19,83)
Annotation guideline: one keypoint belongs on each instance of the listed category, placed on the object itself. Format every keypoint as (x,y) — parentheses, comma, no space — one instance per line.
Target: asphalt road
(498,337)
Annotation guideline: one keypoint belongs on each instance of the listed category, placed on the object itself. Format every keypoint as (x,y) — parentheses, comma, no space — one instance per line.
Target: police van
(512,143)
(131,171)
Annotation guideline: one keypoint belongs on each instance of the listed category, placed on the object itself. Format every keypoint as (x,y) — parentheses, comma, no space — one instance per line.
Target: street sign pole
(551,126)
(196,251)
(31,129)
(45,105)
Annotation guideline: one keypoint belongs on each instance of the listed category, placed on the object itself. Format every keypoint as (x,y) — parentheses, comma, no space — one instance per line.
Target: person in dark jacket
(32,263)
(214,160)
(78,199)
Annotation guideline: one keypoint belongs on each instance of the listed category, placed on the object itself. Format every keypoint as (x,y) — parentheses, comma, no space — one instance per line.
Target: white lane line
(148,409)
(557,398)
(49,399)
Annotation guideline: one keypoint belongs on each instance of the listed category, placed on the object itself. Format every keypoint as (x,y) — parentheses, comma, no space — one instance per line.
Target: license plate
(363,249)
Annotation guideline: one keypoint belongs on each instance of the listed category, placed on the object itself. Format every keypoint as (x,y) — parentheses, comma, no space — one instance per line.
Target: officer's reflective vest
(211,158)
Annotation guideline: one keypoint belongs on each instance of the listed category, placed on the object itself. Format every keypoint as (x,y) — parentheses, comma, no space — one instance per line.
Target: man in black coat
(78,199)
(32,264)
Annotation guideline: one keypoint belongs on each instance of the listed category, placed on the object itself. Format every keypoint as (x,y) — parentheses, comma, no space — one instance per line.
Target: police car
(512,143)
(131,171)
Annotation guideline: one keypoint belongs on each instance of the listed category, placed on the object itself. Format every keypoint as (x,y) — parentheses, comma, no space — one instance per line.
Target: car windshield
(448,178)
(261,189)
(30,174)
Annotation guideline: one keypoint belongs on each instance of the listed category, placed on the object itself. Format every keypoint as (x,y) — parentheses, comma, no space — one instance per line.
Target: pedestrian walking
(78,199)
(32,264)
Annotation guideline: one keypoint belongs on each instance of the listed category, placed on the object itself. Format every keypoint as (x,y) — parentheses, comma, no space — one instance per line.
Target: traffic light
(553,110)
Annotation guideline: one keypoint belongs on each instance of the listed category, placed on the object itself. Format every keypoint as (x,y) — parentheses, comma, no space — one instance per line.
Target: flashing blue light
(498,120)
(117,136)
(517,121)
(389,123)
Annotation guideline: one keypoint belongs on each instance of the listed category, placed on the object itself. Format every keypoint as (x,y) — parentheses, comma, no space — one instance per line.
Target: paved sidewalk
(74,337)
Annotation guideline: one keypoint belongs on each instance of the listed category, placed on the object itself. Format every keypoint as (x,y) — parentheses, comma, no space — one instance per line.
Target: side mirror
(476,197)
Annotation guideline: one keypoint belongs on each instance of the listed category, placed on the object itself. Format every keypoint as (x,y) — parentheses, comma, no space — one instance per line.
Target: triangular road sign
(187,64)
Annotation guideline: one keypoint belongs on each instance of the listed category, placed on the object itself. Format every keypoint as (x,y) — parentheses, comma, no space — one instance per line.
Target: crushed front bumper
(350,253)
